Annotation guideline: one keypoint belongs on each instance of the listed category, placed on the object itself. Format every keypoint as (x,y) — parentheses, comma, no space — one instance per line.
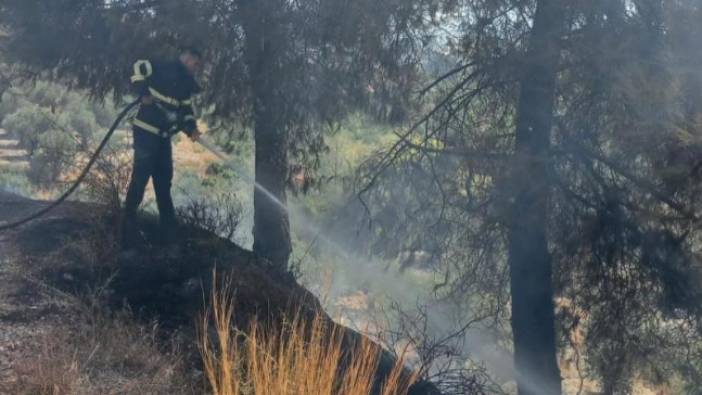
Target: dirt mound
(74,252)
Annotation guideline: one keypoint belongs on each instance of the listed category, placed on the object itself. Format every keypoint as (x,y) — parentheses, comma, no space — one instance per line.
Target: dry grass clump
(304,357)
(101,355)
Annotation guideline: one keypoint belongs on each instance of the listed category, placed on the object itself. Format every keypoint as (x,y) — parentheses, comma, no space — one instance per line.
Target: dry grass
(102,355)
(304,357)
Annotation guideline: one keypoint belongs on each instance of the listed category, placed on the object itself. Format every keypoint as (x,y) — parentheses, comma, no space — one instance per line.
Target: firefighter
(166,91)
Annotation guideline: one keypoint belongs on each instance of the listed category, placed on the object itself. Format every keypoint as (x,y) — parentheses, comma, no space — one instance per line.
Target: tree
(617,180)
(264,51)
(523,193)
(284,68)
(529,258)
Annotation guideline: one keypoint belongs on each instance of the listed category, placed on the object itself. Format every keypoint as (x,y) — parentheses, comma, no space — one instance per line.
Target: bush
(15,182)
(54,124)
(27,124)
(220,214)
(55,154)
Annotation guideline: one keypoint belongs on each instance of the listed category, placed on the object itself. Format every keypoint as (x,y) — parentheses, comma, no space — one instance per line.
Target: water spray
(211,147)
(304,221)
(501,360)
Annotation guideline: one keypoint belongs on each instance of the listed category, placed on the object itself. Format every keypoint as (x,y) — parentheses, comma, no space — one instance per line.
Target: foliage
(623,167)
(54,125)
(623,164)
(15,182)
(282,68)
(102,352)
(219,214)
(27,121)
(54,153)
(318,58)
(304,357)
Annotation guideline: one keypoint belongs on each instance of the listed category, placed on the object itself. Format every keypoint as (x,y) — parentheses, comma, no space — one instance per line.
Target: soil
(28,308)
(70,253)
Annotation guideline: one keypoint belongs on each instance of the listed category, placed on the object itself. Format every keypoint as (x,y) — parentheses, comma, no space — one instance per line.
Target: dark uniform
(172,88)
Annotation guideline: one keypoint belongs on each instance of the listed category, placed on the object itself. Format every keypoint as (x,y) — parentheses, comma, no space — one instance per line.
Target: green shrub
(15,182)
(27,124)
(56,153)
(54,125)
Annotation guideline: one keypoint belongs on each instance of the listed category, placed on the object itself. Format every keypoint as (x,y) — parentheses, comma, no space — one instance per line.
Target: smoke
(479,345)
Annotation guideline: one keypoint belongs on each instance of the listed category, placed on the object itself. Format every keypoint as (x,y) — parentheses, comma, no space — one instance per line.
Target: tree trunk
(264,43)
(533,323)
(271,222)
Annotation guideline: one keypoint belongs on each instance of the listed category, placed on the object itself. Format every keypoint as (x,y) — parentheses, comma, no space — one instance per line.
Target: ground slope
(71,254)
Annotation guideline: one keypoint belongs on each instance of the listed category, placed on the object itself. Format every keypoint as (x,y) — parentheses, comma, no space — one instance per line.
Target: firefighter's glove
(195,135)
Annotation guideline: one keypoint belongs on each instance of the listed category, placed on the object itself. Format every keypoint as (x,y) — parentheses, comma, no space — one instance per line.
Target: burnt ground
(28,308)
(59,262)
(68,258)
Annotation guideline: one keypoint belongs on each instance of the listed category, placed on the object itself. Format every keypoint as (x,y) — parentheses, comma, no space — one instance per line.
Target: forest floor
(76,319)
(28,309)
(49,305)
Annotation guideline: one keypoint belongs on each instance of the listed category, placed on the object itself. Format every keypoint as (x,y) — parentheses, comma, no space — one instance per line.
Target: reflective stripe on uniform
(148,127)
(166,99)
(186,102)
(189,118)
(153,129)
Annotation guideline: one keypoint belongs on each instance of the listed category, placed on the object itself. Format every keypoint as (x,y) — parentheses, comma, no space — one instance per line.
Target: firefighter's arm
(140,79)
(189,121)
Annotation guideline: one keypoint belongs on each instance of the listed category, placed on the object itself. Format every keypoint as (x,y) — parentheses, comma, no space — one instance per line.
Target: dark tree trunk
(264,46)
(271,222)
(533,323)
